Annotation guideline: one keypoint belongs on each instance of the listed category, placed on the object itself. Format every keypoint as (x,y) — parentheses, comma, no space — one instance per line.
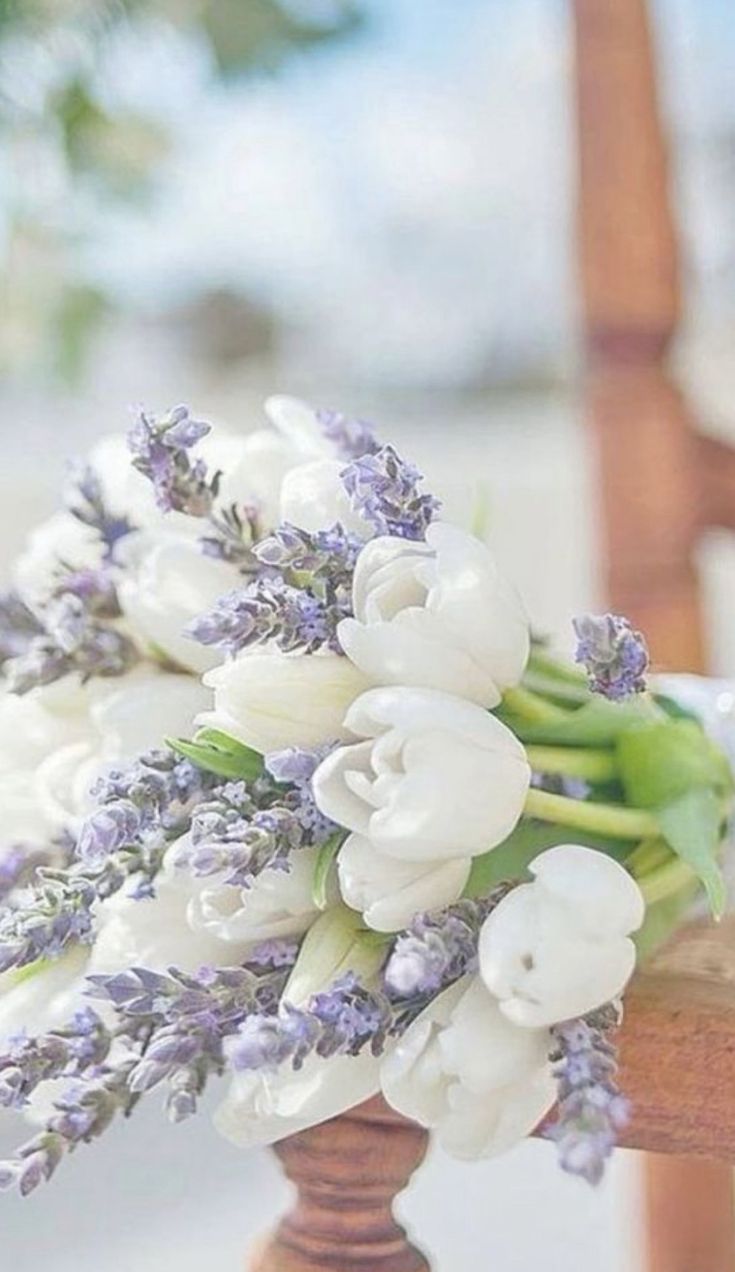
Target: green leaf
(659,762)
(600,723)
(692,826)
(511,859)
(217,752)
(326,857)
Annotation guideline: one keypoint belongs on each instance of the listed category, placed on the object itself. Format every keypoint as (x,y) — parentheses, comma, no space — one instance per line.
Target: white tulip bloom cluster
(266,729)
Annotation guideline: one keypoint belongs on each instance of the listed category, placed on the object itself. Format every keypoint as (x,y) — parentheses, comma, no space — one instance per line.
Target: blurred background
(368,203)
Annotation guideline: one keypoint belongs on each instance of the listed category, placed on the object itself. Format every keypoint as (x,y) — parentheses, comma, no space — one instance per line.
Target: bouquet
(294,800)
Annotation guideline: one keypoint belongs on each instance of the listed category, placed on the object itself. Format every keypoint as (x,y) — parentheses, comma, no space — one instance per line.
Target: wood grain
(347,1173)
(660,486)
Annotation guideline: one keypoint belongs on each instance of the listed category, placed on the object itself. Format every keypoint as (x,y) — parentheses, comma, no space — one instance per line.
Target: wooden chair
(661,485)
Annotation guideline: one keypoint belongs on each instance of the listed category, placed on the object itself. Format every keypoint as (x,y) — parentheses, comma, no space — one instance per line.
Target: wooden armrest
(677,1046)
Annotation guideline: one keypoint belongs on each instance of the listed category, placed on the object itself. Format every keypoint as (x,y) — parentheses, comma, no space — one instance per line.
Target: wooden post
(648,456)
(646,449)
(347,1173)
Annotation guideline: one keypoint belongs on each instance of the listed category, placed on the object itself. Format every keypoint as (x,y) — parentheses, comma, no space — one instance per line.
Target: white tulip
(271,700)
(166,582)
(46,997)
(436,614)
(61,541)
(437,778)
(313,497)
(461,1069)
(155,932)
(559,947)
(252,464)
(278,903)
(263,1107)
(389,893)
(130,716)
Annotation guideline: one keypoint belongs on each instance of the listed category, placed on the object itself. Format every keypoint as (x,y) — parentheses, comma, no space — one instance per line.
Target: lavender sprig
(84,499)
(384,490)
(243,830)
(82,1114)
(591,1110)
(170,1028)
(160,449)
(140,810)
(141,807)
(46,917)
(72,639)
(614,655)
(232,536)
(19,626)
(436,951)
(303,592)
(184,1019)
(66,1052)
(351,438)
(343,1020)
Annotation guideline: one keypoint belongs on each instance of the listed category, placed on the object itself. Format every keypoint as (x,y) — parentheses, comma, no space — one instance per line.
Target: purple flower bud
(351,438)
(615,656)
(106,830)
(384,490)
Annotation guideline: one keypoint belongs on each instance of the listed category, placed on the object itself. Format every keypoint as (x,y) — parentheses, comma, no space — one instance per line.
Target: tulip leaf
(326,857)
(661,761)
(217,752)
(692,826)
(511,859)
(598,723)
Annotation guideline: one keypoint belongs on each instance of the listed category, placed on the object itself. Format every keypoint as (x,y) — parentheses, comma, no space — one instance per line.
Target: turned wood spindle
(347,1173)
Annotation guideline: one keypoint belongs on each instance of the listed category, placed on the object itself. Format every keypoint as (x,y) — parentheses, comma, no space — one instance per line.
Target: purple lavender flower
(238,848)
(232,535)
(27,1062)
(95,589)
(304,590)
(84,499)
(341,1020)
(265,1042)
(266,610)
(615,656)
(591,1110)
(54,912)
(351,1017)
(72,640)
(351,438)
(106,830)
(278,952)
(296,767)
(160,452)
(437,949)
(384,490)
(19,626)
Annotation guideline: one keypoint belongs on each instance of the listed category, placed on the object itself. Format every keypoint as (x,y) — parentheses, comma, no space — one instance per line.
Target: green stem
(524,704)
(541,660)
(605,819)
(647,857)
(595,765)
(555,687)
(665,881)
